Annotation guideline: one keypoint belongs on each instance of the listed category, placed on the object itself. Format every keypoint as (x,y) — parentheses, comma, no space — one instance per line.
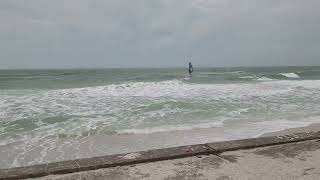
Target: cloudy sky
(158,33)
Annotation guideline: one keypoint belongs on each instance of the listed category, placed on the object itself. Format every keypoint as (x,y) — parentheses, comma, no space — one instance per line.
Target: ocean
(54,115)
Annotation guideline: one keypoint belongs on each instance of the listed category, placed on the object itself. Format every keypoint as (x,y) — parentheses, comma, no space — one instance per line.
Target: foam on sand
(181,127)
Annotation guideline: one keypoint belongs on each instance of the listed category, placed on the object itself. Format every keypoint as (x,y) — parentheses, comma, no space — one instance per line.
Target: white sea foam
(178,89)
(221,73)
(148,107)
(123,97)
(310,84)
(248,77)
(180,127)
(263,78)
(290,75)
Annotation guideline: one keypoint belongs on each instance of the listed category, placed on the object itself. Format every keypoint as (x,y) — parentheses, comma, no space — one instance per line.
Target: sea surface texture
(53,115)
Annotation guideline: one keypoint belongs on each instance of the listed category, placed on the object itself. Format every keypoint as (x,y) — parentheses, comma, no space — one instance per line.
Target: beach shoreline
(310,128)
(215,149)
(100,145)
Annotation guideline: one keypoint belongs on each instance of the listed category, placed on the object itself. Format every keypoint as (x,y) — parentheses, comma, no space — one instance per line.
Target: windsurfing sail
(190,68)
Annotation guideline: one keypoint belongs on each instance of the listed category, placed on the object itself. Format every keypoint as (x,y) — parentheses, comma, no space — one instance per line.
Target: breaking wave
(263,78)
(45,118)
(290,75)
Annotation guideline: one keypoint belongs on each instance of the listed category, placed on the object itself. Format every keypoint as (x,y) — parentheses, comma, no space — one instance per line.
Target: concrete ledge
(104,162)
(63,167)
(143,156)
(149,156)
(262,141)
(24,172)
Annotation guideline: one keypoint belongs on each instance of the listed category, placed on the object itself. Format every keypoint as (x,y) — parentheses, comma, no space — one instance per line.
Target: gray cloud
(162,33)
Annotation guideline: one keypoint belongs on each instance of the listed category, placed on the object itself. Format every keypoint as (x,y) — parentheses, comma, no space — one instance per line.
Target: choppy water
(50,115)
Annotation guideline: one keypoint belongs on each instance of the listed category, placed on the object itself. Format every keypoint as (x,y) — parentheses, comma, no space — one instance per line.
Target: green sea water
(44,114)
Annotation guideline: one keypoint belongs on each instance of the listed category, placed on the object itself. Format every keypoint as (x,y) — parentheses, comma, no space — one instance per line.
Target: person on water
(190,68)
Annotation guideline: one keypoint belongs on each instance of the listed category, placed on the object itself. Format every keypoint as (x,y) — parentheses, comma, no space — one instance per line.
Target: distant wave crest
(290,75)
(263,78)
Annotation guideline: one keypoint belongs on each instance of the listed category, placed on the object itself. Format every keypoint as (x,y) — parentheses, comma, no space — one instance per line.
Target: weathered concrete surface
(71,166)
(143,156)
(300,160)
(23,172)
(310,128)
(262,141)
(150,156)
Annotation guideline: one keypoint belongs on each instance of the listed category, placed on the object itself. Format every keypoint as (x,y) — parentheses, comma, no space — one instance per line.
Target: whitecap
(290,75)
(263,78)
(247,77)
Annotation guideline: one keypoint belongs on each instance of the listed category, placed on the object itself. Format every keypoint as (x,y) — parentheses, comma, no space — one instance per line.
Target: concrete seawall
(150,156)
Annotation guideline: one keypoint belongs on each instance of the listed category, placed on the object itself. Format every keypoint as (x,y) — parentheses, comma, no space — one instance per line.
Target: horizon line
(149,67)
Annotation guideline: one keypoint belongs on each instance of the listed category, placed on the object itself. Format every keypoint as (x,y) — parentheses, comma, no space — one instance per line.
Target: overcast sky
(158,33)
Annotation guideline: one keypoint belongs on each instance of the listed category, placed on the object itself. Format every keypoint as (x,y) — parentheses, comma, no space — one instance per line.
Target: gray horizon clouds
(158,33)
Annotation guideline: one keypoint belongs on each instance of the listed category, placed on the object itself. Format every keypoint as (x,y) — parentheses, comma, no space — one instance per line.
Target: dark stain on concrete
(213,161)
(193,167)
(178,164)
(288,150)
(114,174)
(230,158)
(307,170)
(141,175)
(183,176)
(223,178)
(206,161)
(302,159)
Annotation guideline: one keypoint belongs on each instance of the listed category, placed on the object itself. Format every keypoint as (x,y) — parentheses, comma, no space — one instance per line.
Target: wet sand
(292,160)
(310,128)
(100,145)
